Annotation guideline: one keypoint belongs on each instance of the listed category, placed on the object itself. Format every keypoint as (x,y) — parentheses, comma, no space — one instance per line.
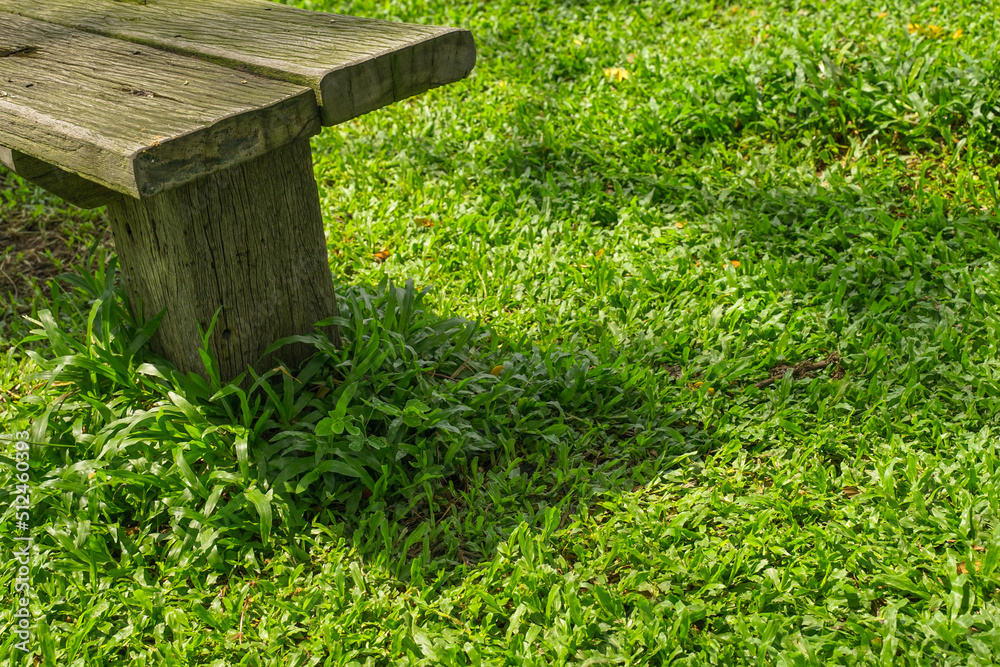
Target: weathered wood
(74,189)
(135,119)
(356,65)
(248,240)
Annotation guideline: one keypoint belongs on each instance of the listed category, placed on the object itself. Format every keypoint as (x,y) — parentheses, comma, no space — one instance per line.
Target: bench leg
(248,240)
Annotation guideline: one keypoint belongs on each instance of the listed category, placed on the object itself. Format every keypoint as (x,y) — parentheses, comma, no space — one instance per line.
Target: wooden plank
(356,65)
(135,119)
(74,189)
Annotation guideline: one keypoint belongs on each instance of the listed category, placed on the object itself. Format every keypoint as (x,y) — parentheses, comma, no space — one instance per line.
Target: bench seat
(355,65)
(137,120)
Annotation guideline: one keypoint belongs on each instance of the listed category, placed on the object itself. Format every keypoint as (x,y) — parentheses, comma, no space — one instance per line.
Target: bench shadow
(497,436)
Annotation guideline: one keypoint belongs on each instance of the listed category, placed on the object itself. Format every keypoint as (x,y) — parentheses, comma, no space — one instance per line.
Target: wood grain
(249,241)
(355,65)
(134,119)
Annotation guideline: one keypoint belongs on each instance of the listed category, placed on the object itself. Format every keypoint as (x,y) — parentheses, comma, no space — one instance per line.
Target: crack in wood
(21,51)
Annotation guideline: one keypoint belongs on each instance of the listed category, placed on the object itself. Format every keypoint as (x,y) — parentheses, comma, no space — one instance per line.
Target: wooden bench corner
(191,122)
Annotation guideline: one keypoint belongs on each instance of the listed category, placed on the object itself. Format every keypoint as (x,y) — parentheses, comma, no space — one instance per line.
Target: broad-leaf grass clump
(145,465)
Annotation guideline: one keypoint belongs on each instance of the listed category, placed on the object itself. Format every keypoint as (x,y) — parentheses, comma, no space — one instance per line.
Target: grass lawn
(671,337)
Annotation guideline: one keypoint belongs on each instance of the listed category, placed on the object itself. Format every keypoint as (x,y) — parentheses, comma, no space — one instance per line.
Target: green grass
(698,366)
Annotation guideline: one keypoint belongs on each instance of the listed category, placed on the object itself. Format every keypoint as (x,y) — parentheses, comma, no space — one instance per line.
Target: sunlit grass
(698,365)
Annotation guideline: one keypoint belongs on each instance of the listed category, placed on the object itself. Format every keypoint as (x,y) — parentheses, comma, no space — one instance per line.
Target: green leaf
(242,448)
(187,472)
(325,427)
(344,400)
(46,642)
(262,503)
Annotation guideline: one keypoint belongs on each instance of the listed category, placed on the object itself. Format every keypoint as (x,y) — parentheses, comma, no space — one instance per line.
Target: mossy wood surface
(132,118)
(355,65)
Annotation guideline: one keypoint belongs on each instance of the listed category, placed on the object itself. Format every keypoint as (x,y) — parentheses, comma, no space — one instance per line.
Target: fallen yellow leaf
(497,370)
(963,567)
(929,31)
(616,73)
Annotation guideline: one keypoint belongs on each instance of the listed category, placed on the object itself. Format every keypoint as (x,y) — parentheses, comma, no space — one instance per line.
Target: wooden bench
(190,120)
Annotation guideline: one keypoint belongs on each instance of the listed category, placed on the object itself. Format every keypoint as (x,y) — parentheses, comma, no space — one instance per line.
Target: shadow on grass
(423,441)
